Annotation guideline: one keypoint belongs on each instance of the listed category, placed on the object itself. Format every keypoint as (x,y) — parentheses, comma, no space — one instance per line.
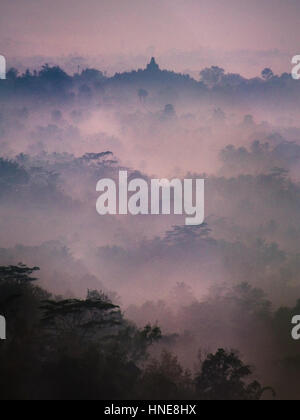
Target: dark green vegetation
(86,349)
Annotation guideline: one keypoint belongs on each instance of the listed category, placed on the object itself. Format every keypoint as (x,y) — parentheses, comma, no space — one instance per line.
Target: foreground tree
(165,379)
(86,349)
(224,377)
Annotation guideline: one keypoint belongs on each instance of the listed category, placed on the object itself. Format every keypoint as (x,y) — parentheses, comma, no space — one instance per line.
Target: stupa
(153,66)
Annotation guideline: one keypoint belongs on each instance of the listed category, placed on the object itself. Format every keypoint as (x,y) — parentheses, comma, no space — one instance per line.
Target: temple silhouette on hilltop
(153,73)
(153,66)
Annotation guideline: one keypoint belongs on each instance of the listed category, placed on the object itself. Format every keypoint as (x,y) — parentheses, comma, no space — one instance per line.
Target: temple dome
(153,66)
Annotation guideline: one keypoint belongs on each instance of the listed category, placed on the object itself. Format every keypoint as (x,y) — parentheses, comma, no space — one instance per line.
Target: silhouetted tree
(267,74)
(223,377)
(165,379)
(81,317)
(212,76)
(143,94)
(169,111)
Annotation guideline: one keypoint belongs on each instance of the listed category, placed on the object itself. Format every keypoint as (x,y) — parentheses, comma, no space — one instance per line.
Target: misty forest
(144,307)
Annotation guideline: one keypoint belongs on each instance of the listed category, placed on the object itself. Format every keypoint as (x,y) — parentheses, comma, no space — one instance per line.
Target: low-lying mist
(222,284)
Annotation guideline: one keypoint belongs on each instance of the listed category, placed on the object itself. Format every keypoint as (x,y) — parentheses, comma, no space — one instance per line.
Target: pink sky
(242,35)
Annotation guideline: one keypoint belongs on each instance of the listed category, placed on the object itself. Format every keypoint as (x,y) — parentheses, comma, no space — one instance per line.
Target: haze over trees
(85,349)
(158,309)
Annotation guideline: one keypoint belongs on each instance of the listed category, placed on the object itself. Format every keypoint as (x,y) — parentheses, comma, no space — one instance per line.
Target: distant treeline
(54,81)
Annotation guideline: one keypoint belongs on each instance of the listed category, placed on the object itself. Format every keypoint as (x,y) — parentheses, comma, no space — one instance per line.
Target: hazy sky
(189,32)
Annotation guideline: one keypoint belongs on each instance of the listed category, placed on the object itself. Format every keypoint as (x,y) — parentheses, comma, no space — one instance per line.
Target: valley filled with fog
(232,282)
